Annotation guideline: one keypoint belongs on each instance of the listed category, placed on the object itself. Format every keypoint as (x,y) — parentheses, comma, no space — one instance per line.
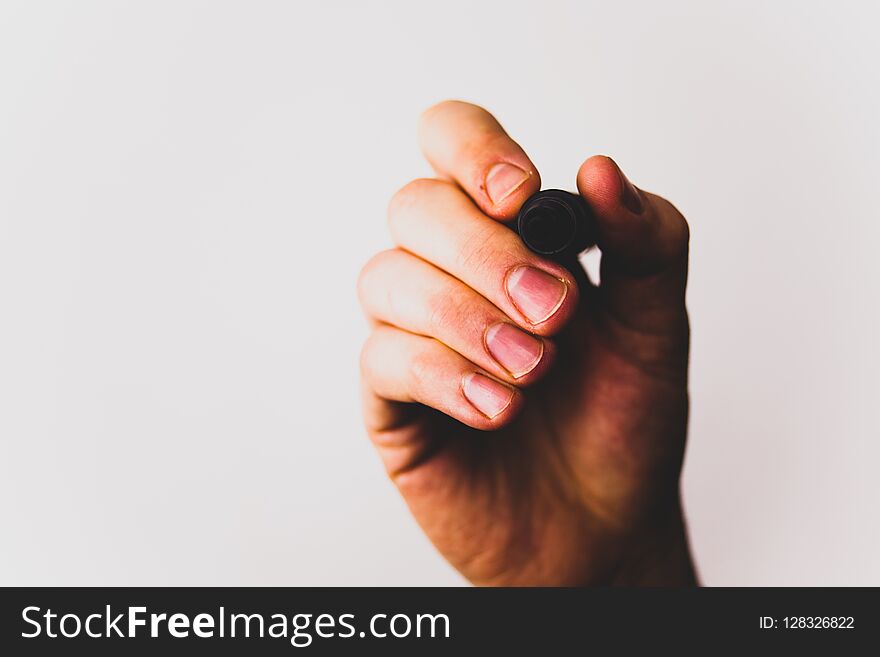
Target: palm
(591,461)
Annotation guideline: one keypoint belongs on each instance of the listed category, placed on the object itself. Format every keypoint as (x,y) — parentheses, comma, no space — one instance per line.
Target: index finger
(465,143)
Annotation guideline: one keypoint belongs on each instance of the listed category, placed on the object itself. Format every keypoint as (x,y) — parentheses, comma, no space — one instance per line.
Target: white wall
(188,189)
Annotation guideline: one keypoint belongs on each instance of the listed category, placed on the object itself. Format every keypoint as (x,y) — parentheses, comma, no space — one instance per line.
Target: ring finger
(400,289)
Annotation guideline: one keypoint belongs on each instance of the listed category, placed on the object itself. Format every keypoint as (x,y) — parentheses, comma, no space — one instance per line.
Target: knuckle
(421,365)
(485,249)
(363,278)
(678,228)
(442,107)
(365,360)
(444,310)
(367,273)
(415,203)
(427,115)
(685,229)
(406,198)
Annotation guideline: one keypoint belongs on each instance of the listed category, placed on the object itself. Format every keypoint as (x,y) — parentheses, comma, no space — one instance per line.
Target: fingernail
(514,349)
(488,396)
(535,293)
(630,196)
(503,180)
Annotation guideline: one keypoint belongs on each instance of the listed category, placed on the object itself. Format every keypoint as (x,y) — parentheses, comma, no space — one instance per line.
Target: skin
(572,476)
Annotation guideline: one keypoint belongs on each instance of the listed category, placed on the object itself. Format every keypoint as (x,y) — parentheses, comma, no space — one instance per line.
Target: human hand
(533,421)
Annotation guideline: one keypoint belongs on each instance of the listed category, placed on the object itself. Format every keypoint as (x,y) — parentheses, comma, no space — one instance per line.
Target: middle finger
(400,289)
(436,221)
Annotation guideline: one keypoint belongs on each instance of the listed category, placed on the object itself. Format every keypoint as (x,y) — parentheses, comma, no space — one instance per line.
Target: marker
(556,224)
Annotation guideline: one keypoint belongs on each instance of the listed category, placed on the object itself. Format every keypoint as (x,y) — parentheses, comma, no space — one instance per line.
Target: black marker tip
(556,224)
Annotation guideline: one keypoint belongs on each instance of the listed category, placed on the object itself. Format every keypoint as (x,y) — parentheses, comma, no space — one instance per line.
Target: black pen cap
(556,224)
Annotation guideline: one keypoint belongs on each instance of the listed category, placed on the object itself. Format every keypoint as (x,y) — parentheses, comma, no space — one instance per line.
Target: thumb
(644,244)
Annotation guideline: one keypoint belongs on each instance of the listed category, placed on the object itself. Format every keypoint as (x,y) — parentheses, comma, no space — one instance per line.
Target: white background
(188,190)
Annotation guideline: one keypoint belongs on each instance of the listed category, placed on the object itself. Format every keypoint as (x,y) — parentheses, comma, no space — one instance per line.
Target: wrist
(661,557)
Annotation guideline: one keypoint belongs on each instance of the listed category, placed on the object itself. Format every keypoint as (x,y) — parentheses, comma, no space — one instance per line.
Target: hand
(534,422)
